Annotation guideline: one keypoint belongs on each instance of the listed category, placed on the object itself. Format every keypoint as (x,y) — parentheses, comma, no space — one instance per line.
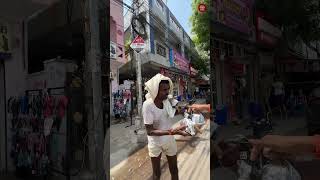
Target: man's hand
(182,133)
(177,129)
(179,110)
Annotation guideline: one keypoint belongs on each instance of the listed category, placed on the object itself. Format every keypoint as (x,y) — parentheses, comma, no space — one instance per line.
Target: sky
(181,9)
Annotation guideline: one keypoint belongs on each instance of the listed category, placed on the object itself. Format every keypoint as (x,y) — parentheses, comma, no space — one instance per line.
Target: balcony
(176,32)
(159,11)
(187,41)
(156,58)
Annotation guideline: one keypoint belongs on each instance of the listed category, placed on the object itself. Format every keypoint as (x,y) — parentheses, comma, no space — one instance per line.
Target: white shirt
(160,120)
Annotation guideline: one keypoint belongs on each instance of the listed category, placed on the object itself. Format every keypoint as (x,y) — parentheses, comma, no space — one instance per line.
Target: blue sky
(181,9)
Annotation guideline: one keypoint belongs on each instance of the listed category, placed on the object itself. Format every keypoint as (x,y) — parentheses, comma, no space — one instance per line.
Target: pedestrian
(157,111)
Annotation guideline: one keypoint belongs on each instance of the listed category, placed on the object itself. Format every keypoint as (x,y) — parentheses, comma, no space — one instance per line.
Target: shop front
(179,80)
(236,85)
(180,70)
(193,76)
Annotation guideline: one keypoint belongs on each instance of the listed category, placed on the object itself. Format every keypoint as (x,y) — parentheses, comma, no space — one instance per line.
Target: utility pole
(139,82)
(93,90)
(138,122)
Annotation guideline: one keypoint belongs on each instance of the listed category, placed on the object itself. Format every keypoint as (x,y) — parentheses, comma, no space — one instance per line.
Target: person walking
(157,111)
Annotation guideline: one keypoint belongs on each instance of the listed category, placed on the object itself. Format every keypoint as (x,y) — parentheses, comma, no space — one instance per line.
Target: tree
(297,18)
(203,59)
(201,35)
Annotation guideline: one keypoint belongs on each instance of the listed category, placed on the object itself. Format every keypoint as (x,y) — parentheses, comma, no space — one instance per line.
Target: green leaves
(200,23)
(201,35)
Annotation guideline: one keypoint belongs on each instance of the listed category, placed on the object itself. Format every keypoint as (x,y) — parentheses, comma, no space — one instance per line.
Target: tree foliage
(201,35)
(297,18)
(202,61)
(200,24)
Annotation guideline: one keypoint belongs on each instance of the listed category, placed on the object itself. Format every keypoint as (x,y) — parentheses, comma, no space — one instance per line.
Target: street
(193,160)
(295,125)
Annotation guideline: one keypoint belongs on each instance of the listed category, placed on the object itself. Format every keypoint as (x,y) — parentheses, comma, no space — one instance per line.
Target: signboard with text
(113,50)
(178,61)
(235,14)
(138,44)
(267,33)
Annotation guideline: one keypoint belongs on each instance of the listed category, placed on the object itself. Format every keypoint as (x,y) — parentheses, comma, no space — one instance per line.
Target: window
(161,50)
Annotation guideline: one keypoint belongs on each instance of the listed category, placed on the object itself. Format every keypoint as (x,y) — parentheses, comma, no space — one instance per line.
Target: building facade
(169,50)
(117,49)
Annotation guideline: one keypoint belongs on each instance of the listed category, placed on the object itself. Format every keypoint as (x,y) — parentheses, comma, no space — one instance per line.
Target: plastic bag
(244,170)
(280,172)
(190,126)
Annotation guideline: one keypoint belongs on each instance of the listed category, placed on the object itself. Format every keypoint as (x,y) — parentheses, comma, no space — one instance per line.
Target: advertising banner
(178,61)
(235,14)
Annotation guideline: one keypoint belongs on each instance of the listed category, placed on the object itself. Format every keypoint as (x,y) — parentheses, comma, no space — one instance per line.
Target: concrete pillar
(94,90)
(2,118)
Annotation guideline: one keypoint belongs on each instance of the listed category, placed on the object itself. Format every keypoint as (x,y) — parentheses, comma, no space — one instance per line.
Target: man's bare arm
(156,132)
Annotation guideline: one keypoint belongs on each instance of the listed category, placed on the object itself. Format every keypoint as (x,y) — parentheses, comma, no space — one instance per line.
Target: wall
(117,29)
(2,119)
(15,73)
(117,36)
(52,18)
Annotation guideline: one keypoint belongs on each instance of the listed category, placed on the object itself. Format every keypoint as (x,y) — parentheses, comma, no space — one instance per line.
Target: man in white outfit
(157,111)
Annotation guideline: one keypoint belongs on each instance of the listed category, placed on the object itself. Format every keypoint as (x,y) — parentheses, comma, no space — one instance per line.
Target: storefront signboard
(267,33)
(235,14)
(178,61)
(113,50)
